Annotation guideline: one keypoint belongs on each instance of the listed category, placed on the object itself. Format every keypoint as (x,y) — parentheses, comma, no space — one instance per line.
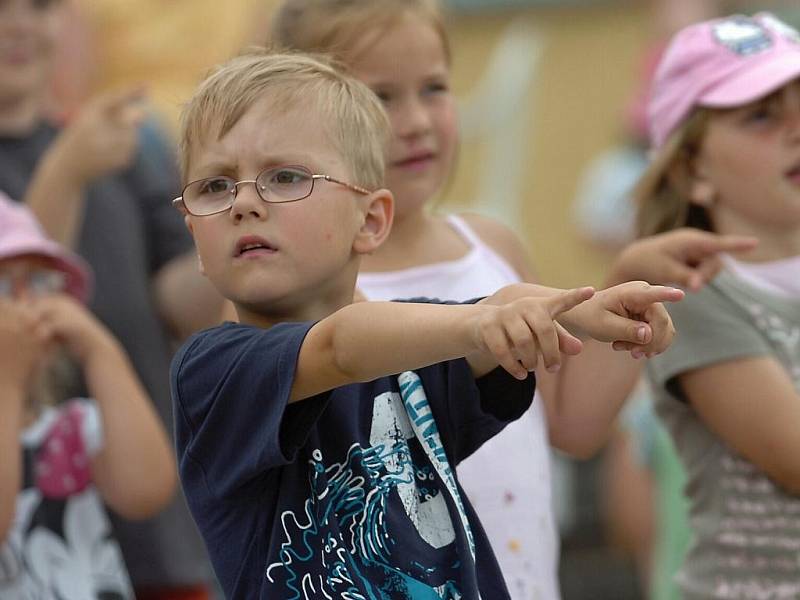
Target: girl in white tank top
(514,503)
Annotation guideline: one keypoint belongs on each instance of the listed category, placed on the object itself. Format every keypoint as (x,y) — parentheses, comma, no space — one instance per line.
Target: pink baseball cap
(721,63)
(21,235)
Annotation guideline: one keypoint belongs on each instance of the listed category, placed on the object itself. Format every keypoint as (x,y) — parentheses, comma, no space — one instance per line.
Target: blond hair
(336,26)
(662,192)
(352,116)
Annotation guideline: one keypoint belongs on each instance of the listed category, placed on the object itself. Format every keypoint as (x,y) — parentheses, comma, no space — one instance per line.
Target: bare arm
(580,413)
(628,495)
(101,140)
(12,399)
(20,352)
(135,469)
(753,406)
(57,198)
(367,340)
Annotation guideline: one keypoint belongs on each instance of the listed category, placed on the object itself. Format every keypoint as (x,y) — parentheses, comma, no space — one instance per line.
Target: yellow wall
(584,75)
(587,68)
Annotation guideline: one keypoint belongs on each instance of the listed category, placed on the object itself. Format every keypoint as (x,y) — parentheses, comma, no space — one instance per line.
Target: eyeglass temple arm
(353,187)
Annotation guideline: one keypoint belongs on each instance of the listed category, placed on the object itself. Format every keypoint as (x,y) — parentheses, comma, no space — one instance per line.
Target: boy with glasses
(317,438)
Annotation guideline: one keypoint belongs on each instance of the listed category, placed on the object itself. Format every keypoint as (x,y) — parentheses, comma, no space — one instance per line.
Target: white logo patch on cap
(742,35)
(783,29)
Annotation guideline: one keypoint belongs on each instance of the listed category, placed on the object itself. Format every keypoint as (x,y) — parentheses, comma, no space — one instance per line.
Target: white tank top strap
(480,247)
(465,231)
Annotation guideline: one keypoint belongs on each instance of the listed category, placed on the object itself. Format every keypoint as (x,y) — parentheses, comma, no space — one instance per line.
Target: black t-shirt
(349,494)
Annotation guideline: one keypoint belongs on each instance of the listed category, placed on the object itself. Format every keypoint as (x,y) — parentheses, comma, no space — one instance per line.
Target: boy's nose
(247,202)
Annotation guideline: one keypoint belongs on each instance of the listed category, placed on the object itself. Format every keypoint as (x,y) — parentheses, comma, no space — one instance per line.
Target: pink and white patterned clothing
(60,546)
(508,479)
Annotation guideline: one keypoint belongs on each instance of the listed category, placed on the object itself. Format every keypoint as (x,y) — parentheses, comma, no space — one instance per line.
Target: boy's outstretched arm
(368,340)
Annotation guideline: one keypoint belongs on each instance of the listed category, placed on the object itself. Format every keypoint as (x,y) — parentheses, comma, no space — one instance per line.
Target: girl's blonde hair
(348,111)
(336,26)
(662,192)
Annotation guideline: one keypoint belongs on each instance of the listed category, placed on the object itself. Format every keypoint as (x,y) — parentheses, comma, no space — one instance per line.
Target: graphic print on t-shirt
(346,528)
(61,544)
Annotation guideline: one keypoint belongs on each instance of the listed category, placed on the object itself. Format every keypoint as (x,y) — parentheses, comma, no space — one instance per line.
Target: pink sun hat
(721,63)
(21,235)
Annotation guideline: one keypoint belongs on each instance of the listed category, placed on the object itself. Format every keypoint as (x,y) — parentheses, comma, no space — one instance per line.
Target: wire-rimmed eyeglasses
(214,195)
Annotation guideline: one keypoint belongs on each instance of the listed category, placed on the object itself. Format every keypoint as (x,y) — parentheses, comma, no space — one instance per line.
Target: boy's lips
(793,174)
(253,245)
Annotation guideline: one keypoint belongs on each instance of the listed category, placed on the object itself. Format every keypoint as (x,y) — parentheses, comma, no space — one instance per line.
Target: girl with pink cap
(724,117)
(61,459)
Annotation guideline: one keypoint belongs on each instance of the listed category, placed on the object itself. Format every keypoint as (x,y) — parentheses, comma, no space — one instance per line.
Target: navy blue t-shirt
(349,494)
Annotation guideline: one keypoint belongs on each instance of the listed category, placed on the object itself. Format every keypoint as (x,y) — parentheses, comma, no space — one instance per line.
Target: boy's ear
(378,216)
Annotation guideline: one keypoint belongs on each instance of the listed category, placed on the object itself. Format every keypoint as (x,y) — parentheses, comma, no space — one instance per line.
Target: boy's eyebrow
(221,167)
(214,168)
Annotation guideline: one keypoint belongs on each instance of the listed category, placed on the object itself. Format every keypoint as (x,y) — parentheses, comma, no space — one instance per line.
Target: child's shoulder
(231,341)
(502,239)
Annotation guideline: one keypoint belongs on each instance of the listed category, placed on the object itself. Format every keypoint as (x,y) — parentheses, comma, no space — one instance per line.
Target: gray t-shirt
(129,232)
(746,530)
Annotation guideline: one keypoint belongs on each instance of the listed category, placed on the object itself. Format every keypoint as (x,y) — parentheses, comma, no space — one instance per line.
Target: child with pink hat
(724,125)
(63,458)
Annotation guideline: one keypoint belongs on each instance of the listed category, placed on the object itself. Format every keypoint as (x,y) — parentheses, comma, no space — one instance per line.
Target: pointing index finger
(568,299)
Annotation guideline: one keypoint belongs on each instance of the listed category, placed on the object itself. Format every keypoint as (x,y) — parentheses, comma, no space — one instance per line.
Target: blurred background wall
(587,65)
(571,109)
(589,52)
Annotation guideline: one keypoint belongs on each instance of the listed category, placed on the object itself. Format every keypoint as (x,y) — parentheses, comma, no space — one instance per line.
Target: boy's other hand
(631,316)
(517,333)
(686,257)
(102,138)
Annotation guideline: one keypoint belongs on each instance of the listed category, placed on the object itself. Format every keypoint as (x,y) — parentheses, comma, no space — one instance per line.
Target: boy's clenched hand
(517,332)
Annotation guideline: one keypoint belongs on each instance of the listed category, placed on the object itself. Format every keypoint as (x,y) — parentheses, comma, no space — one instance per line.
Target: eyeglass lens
(216,194)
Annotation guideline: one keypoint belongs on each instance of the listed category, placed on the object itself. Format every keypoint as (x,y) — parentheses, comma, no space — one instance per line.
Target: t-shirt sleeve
(470,410)
(155,180)
(231,387)
(710,329)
